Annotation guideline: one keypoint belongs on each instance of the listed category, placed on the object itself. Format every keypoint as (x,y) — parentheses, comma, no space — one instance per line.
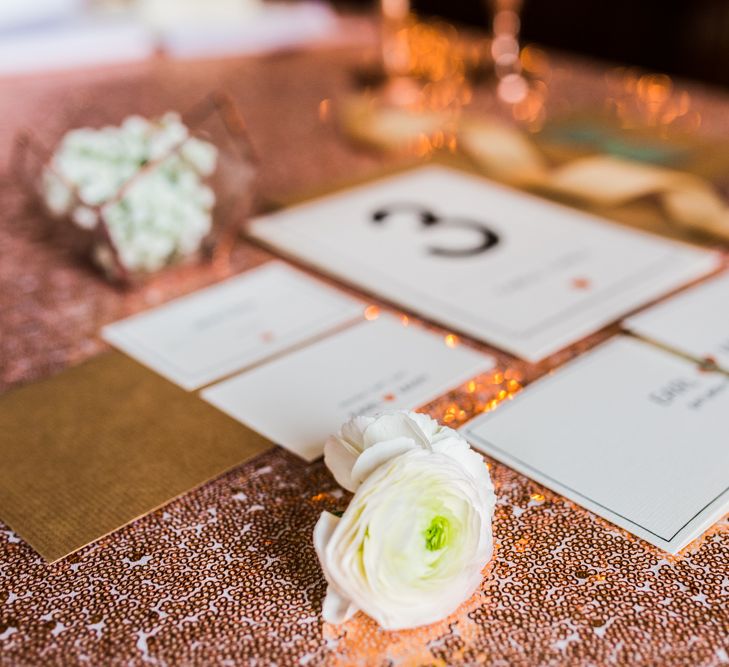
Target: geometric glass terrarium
(147,193)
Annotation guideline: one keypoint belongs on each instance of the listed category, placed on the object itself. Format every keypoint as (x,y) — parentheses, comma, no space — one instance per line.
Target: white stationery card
(695,322)
(300,399)
(502,266)
(200,338)
(631,432)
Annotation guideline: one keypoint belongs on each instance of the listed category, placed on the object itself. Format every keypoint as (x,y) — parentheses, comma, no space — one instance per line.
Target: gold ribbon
(504,153)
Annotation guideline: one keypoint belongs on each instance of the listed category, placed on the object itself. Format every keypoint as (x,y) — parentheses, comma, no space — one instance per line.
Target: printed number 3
(428,219)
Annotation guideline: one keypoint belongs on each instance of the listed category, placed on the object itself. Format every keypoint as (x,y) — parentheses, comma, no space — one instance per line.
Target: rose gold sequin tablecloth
(227,574)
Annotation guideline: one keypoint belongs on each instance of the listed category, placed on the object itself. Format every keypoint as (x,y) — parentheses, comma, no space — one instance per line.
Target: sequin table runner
(227,574)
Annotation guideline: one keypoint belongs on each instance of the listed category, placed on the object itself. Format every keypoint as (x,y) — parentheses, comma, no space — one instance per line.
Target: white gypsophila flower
(166,211)
(58,197)
(160,216)
(201,154)
(172,133)
(85,217)
(413,543)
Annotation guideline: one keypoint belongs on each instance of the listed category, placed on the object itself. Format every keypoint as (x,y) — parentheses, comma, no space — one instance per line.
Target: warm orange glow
(395,9)
(649,100)
(325,109)
(371,313)
(535,61)
(451,340)
(521,544)
(512,89)
(423,146)
(531,110)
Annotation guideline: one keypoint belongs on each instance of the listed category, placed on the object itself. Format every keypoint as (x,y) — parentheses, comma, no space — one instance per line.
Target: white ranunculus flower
(412,544)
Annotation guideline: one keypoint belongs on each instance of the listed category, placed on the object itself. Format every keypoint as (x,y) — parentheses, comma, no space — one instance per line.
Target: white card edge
(486,363)
(633,323)
(707,261)
(696,526)
(111,334)
(480,178)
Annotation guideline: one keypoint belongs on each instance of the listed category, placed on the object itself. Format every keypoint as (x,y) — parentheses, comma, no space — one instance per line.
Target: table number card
(300,399)
(631,432)
(694,323)
(214,332)
(502,266)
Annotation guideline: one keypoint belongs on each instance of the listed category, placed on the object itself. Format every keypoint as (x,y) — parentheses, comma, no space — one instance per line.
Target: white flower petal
(373,457)
(394,425)
(340,459)
(353,431)
(336,608)
(323,531)
(427,424)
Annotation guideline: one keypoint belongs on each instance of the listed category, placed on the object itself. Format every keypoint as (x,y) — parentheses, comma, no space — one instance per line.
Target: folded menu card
(502,266)
(631,432)
(212,333)
(303,397)
(694,323)
(101,444)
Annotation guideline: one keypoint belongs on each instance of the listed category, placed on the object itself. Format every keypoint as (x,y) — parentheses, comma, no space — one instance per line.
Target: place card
(101,444)
(629,431)
(300,399)
(499,265)
(694,322)
(200,338)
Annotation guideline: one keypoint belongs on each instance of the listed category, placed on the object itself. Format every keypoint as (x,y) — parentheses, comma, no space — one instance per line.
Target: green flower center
(437,533)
